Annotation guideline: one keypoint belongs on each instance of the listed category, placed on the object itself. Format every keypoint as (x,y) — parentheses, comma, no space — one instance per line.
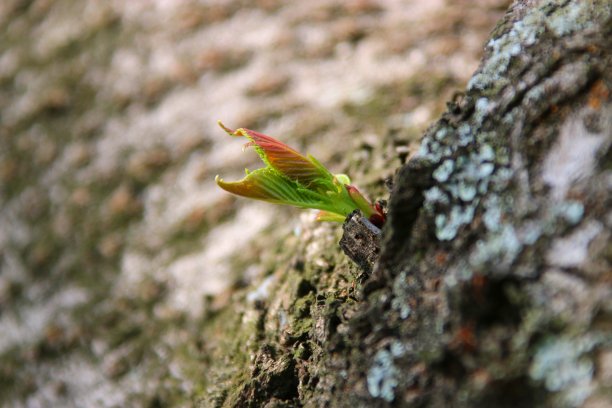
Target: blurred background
(115,242)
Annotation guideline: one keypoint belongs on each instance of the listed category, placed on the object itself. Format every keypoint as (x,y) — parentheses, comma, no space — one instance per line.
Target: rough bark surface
(127,278)
(493,287)
(361,241)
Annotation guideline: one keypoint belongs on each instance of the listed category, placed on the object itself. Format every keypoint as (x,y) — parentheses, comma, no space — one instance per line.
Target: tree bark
(493,285)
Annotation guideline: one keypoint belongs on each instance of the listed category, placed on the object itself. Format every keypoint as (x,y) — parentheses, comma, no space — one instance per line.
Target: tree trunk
(128,279)
(493,285)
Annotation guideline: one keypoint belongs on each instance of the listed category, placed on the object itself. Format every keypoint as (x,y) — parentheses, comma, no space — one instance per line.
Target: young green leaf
(301,181)
(275,154)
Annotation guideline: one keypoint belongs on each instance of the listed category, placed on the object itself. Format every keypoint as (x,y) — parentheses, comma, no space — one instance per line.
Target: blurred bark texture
(493,287)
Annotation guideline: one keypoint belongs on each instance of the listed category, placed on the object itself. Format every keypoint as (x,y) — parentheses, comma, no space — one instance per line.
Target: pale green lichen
(576,16)
(571,211)
(505,242)
(485,170)
(564,367)
(435,195)
(481,169)
(502,177)
(447,226)
(487,153)
(384,375)
(501,248)
(441,134)
(401,295)
(466,178)
(531,232)
(571,17)
(492,214)
(465,133)
(443,172)
(432,150)
(504,48)
(467,191)
(483,108)
(564,213)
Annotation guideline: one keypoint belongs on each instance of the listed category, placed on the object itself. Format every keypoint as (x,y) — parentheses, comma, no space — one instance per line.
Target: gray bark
(493,287)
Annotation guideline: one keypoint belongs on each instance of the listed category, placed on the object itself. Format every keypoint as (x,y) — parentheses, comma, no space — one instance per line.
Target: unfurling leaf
(301,181)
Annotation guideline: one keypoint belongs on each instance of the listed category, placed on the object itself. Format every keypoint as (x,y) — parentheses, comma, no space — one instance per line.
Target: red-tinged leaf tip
(362,203)
(283,158)
(247,187)
(227,130)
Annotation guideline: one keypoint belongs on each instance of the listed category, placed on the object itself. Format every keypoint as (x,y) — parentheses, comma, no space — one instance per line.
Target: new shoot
(301,181)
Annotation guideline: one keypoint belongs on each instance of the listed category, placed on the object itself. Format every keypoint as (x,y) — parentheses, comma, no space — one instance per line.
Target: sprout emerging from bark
(301,181)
